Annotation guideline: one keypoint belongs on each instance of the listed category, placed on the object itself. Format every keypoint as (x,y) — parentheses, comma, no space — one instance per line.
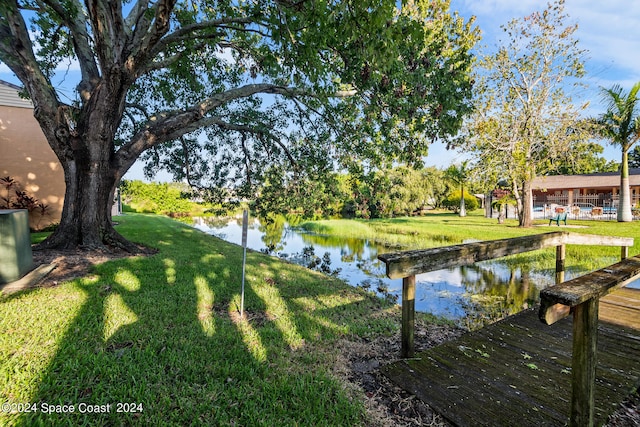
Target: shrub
(159,198)
(16,198)
(452,202)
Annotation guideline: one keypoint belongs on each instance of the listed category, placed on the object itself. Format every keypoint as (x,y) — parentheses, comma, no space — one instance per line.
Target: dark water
(484,289)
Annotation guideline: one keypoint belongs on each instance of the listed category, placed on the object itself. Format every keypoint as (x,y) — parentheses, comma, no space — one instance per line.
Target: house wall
(605,197)
(26,156)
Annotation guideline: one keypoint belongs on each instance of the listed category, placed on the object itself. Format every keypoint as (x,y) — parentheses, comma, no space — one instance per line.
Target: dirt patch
(75,263)
(388,404)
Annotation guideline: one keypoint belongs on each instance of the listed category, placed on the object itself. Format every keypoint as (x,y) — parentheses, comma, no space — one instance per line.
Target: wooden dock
(518,371)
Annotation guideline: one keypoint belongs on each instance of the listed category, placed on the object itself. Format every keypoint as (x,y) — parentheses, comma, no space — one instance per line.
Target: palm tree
(460,175)
(620,124)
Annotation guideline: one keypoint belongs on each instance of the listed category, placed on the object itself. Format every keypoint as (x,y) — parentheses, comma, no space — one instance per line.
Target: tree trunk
(624,204)
(525,215)
(91,174)
(463,210)
(519,203)
(86,215)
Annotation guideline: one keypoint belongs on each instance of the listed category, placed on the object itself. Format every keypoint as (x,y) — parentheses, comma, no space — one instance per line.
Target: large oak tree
(217,89)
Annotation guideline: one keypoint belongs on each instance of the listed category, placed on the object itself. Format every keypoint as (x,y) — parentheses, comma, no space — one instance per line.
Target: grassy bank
(160,337)
(449,229)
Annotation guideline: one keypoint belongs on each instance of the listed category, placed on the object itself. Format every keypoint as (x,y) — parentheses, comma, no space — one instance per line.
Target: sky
(609,30)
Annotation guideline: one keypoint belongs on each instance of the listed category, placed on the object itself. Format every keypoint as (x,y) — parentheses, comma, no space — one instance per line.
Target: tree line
(404,190)
(381,193)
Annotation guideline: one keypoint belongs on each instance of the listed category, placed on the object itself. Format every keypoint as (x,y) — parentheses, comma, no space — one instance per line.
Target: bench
(559,217)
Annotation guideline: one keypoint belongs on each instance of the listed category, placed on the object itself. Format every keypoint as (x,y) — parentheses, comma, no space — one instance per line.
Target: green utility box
(16,258)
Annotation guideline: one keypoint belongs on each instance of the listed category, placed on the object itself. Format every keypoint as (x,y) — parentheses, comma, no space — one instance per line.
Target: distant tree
(402,191)
(452,201)
(160,198)
(460,174)
(581,158)
(439,187)
(398,191)
(501,201)
(303,193)
(620,125)
(524,116)
(634,157)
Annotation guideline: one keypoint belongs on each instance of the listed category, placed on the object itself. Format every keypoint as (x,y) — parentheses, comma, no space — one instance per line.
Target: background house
(587,196)
(597,189)
(26,156)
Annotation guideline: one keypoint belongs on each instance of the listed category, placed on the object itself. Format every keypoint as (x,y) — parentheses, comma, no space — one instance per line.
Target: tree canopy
(634,157)
(215,90)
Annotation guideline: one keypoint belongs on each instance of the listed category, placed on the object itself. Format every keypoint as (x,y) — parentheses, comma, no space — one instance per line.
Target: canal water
(473,293)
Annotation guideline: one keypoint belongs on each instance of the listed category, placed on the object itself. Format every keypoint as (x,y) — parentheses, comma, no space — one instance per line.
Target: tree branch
(168,61)
(196,31)
(247,157)
(172,125)
(164,8)
(16,51)
(147,33)
(81,44)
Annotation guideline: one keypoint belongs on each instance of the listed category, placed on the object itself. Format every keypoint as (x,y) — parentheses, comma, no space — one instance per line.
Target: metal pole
(245,223)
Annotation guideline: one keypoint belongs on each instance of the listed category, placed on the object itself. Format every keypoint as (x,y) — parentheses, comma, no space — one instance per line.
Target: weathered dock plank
(621,307)
(518,370)
(593,285)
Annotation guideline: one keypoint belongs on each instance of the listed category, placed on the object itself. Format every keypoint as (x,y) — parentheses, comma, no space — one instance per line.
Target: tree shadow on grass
(159,341)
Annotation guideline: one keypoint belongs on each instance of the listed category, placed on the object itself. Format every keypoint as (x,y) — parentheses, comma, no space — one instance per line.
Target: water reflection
(487,289)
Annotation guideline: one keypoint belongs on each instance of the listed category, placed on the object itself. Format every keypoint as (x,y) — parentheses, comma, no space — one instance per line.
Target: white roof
(9,96)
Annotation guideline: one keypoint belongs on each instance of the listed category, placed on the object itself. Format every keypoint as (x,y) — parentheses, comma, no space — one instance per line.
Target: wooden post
(624,252)
(560,256)
(408,315)
(584,362)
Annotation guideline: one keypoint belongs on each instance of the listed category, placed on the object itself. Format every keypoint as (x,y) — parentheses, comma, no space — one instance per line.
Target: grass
(448,229)
(163,332)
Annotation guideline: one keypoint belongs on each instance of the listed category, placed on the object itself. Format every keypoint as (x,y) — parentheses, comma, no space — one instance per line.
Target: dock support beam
(408,316)
(584,362)
(560,263)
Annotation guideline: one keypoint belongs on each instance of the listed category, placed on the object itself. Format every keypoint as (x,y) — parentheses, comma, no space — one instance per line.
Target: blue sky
(609,30)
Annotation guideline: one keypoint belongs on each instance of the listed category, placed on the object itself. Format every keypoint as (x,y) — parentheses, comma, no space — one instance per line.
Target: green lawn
(163,333)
